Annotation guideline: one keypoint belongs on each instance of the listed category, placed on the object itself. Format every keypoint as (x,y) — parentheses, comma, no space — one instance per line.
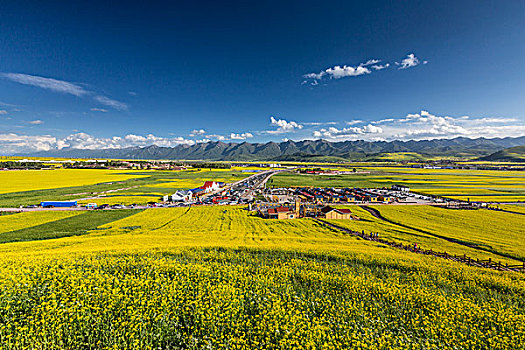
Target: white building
(179,196)
(401,188)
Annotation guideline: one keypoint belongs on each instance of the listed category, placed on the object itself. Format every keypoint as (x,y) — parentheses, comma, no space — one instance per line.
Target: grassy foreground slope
(215,277)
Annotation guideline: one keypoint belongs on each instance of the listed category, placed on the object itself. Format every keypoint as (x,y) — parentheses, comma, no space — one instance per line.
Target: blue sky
(117,74)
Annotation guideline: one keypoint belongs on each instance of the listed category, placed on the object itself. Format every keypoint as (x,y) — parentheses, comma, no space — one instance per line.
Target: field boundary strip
(509,211)
(487,263)
(76,225)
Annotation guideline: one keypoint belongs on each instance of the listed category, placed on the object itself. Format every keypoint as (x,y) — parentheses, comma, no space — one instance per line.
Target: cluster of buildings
(401,188)
(319,171)
(297,211)
(193,194)
(342,195)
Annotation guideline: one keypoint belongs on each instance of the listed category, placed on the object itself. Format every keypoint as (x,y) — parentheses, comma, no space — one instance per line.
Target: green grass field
(65,224)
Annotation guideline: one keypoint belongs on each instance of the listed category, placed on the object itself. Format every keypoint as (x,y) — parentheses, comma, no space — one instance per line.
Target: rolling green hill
(512,154)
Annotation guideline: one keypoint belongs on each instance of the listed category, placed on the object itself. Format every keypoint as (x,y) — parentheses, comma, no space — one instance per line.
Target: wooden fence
(487,263)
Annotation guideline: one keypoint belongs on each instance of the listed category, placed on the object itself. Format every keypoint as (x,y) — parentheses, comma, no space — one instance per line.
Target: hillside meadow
(221,278)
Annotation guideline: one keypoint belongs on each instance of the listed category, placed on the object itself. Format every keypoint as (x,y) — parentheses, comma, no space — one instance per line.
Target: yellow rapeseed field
(221,278)
(28,180)
(492,231)
(435,234)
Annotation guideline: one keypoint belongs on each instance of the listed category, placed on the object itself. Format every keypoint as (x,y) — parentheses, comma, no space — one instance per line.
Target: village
(279,203)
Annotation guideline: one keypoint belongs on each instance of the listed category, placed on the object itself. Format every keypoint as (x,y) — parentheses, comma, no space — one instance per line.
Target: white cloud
(338,72)
(62,86)
(410,61)
(380,67)
(353,122)
(495,120)
(85,141)
(99,110)
(334,133)
(47,83)
(3,111)
(319,123)
(242,136)
(424,125)
(231,136)
(283,126)
(383,121)
(218,137)
(13,143)
(197,132)
(106,101)
(370,62)
(36,122)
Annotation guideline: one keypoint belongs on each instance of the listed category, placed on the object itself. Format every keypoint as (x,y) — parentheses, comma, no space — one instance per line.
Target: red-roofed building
(337,213)
(281,213)
(210,186)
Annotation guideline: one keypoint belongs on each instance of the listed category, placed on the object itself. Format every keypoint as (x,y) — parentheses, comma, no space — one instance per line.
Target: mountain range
(313,150)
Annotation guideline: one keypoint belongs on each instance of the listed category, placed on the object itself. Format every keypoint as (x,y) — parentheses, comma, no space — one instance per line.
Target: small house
(182,196)
(331,213)
(281,213)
